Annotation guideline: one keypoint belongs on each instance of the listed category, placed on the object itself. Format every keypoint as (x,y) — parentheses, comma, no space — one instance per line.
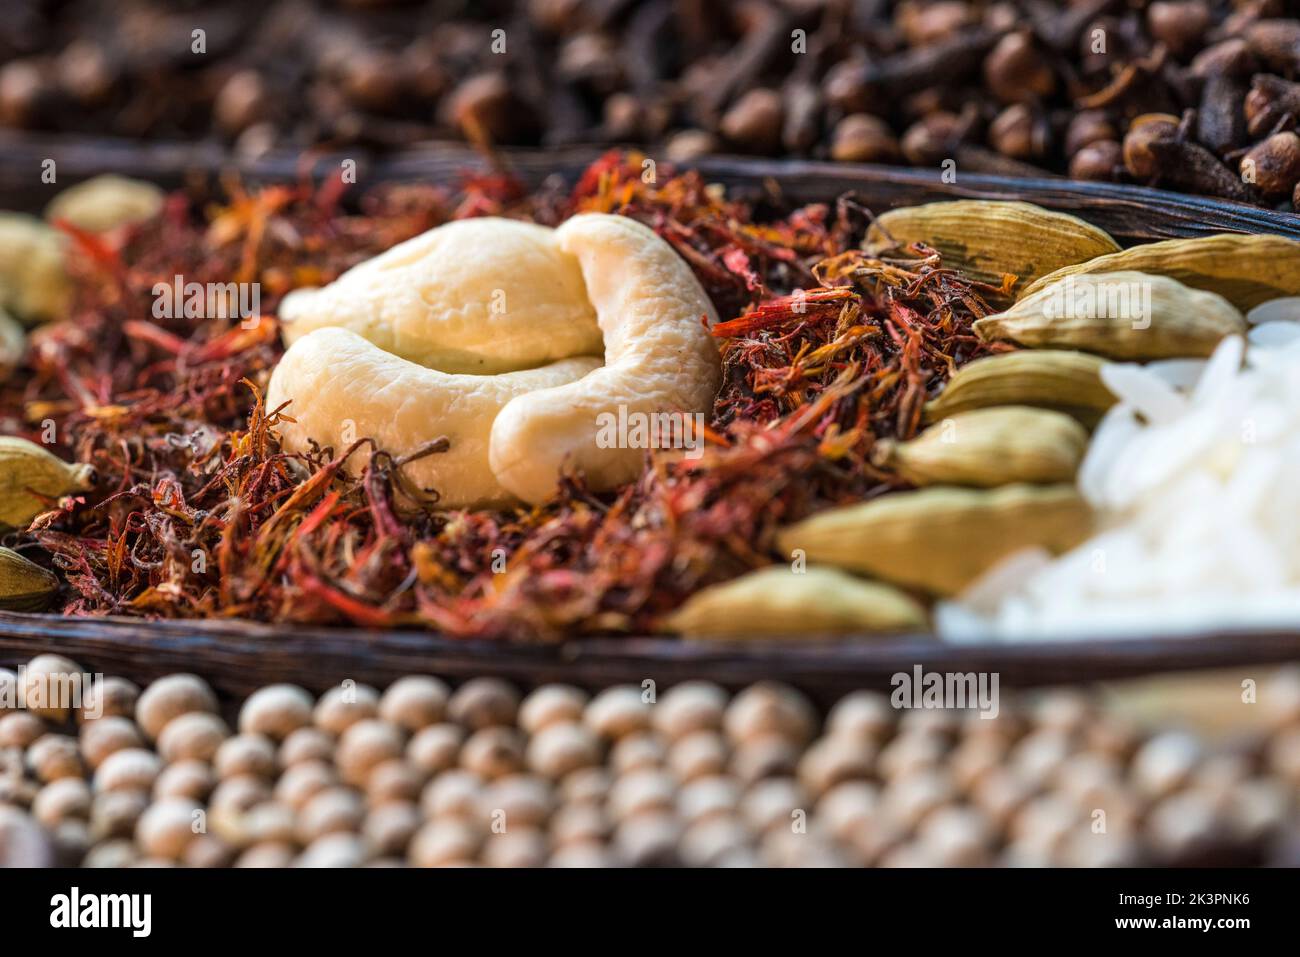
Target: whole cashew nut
(382,351)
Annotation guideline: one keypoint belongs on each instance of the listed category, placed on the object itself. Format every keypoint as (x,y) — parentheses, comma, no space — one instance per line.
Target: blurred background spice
(1191,95)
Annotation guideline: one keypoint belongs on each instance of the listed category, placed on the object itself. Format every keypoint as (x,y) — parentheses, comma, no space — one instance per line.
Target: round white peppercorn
(335,849)
(517,847)
(551,704)
(47,685)
(586,786)
(690,707)
(1041,754)
(328,812)
(1063,710)
(453,794)
(771,803)
(436,748)
(16,791)
(170,697)
(1000,794)
(305,744)
(908,800)
(698,754)
(19,729)
(1045,822)
(390,826)
(1258,809)
(444,843)
(862,714)
(301,781)
(115,814)
(941,722)
(414,702)
(365,744)
(274,855)
(54,756)
(193,736)
(1185,825)
(394,780)
(561,748)
(1088,779)
(109,697)
(768,755)
(974,757)
(522,800)
(637,751)
(341,707)
(584,854)
(493,752)
(245,754)
(957,836)
(707,841)
(908,753)
(270,821)
(831,760)
(483,703)
(770,708)
(1281,698)
(207,851)
(617,712)
(708,797)
(61,800)
(112,854)
(1165,763)
(1283,755)
(576,823)
(234,795)
(130,769)
(103,736)
(191,779)
(640,792)
(166,828)
(276,711)
(648,839)
(1085,848)
(847,806)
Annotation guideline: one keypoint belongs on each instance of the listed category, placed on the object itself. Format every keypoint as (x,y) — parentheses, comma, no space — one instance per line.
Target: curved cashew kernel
(335,377)
(659,357)
(34,285)
(475,296)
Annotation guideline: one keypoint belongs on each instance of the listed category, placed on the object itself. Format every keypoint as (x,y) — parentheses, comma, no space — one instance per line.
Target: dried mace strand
(780,602)
(1245,270)
(1061,380)
(990,239)
(28,472)
(940,539)
(1120,315)
(24,585)
(986,448)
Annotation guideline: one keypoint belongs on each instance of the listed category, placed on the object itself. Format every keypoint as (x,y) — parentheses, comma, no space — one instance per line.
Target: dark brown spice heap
(201,514)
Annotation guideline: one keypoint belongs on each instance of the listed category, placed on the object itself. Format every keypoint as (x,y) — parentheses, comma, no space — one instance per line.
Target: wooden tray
(240,656)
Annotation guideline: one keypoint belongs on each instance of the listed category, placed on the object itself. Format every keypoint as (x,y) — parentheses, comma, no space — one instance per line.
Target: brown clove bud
(1269,101)
(1191,167)
(22,88)
(1142,132)
(1016,71)
(1273,165)
(932,139)
(1179,24)
(85,72)
(922,24)
(754,121)
(1019,132)
(1101,160)
(1276,43)
(241,102)
(1227,58)
(846,88)
(862,138)
(1220,121)
(1088,126)
(482,106)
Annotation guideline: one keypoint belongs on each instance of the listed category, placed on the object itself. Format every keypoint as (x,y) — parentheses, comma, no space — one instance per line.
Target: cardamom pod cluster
(1061,380)
(24,585)
(779,602)
(940,539)
(989,239)
(986,448)
(1245,270)
(1120,315)
(28,472)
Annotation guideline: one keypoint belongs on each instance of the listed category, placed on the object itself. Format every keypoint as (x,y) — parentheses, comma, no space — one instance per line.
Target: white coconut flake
(1285,308)
(1195,480)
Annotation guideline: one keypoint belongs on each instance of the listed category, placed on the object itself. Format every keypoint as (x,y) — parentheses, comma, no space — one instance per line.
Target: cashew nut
(659,357)
(474,296)
(381,353)
(344,387)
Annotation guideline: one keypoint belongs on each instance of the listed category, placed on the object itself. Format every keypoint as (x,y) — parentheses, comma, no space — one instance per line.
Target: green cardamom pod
(1065,381)
(26,468)
(24,585)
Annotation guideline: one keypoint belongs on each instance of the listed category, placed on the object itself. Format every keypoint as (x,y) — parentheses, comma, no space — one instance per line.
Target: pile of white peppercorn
(429,776)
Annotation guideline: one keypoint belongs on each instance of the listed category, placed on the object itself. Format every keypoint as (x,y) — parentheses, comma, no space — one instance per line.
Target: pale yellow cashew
(475,296)
(659,357)
(344,388)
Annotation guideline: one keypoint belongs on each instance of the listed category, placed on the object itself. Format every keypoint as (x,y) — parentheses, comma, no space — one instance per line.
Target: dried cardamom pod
(990,447)
(104,202)
(26,468)
(1065,381)
(1245,270)
(1120,315)
(989,239)
(13,343)
(24,585)
(34,286)
(940,539)
(779,602)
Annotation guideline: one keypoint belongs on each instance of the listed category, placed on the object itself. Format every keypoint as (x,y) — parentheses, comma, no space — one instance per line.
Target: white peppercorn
(708,797)
(637,751)
(690,707)
(638,792)
(522,847)
(245,754)
(831,760)
(562,747)
(957,836)
(1184,825)
(305,744)
(329,811)
(846,806)
(341,707)
(191,779)
(115,814)
(586,786)
(574,823)
(272,855)
(1000,794)
(390,826)
(335,849)
(583,854)
(394,780)
(518,800)
(170,697)
(109,697)
(909,753)
(907,801)
(706,841)
(166,828)
(47,684)
(769,708)
(551,704)
(207,851)
(235,795)
(483,703)
(269,821)
(698,754)
(771,803)
(276,711)
(19,729)
(435,748)
(453,794)
(302,780)
(444,843)
(54,756)
(493,752)
(112,854)
(414,702)
(617,712)
(1041,754)
(1165,763)
(764,756)
(130,769)
(863,714)
(103,736)
(648,839)
(196,735)
(62,799)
